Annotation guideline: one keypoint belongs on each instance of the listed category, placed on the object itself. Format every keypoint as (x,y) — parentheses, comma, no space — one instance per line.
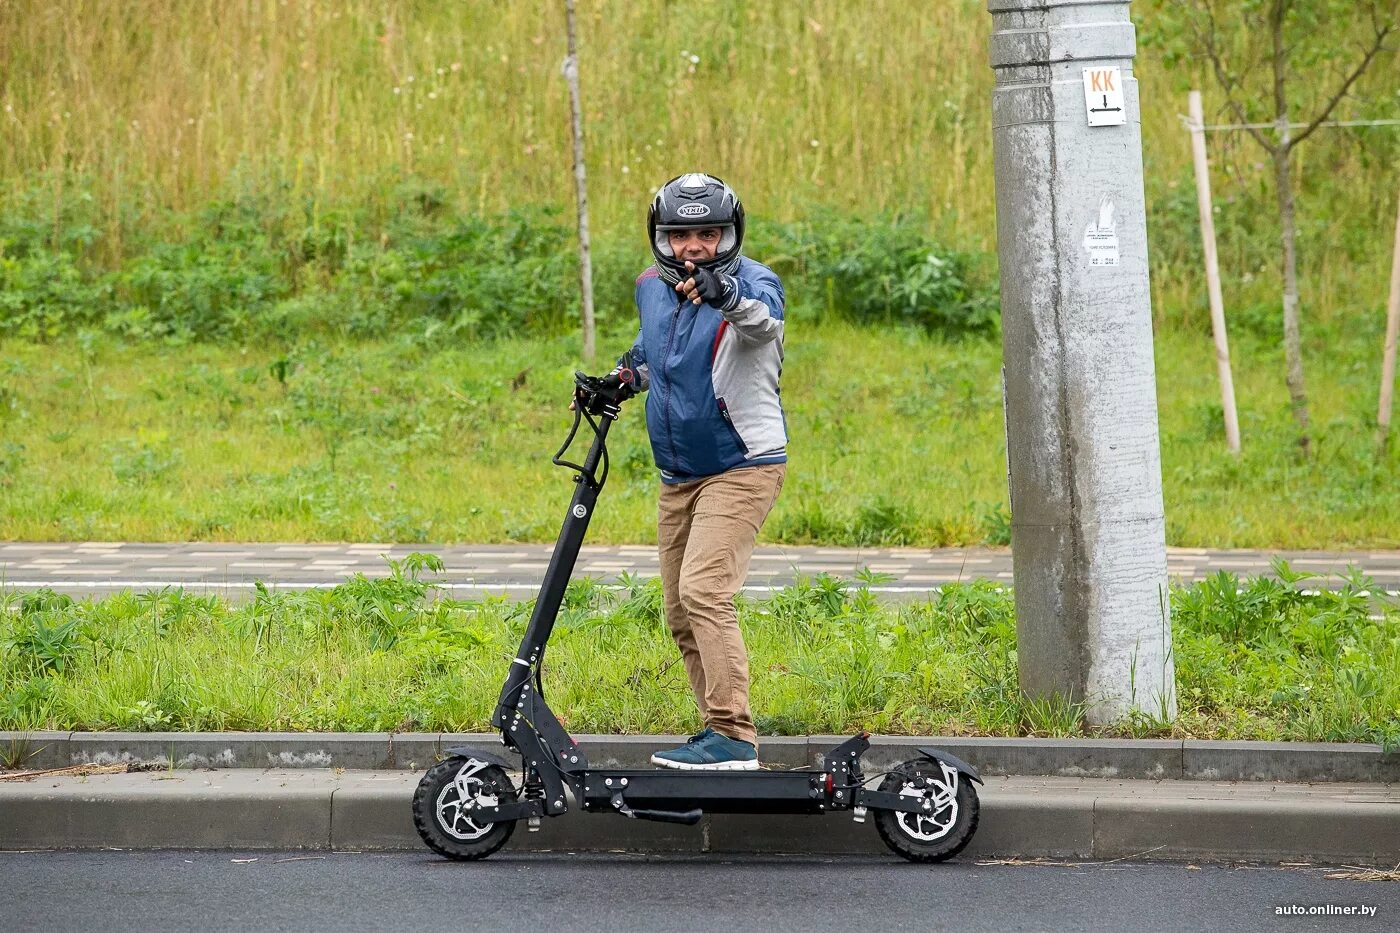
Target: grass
(311,125)
(1255,659)
(125,114)
(332,99)
(410,440)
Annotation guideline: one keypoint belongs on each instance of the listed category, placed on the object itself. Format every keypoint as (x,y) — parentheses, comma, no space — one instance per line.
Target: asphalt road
(352,892)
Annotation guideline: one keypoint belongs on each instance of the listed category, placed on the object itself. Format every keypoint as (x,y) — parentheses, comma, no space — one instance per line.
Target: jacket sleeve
(759,315)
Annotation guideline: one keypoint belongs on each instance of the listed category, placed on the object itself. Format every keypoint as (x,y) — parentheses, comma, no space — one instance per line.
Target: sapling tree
(1283,67)
(585,261)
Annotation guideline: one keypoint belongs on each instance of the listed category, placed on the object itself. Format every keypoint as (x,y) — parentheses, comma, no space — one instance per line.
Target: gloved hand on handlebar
(622,380)
(619,385)
(627,376)
(713,288)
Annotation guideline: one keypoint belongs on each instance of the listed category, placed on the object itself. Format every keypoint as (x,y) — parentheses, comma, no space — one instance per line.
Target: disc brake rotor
(457,800)
(936,822)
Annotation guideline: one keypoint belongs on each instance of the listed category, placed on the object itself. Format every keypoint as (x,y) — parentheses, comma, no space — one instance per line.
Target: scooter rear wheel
(939,834)
(442,808)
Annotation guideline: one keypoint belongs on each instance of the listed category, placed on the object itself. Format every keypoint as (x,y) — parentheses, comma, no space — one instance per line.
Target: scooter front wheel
(443,803)
(939,833)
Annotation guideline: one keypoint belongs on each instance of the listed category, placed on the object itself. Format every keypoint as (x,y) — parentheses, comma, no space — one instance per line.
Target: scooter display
(467,805)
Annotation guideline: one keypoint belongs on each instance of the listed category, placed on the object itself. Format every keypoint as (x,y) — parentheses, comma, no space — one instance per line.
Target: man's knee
(702,597)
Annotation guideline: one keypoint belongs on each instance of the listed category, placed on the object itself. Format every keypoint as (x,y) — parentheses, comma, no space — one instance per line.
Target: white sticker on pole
(1103,96)
(1101,239)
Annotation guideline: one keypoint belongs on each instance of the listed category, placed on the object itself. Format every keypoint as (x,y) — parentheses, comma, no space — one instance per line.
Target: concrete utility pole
(1089,545)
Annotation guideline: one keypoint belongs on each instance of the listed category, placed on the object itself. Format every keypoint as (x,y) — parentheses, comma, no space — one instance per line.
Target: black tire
(918,838)
(438,791)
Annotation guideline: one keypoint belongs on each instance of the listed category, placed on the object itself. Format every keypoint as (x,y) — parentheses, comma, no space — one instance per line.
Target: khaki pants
(706,531)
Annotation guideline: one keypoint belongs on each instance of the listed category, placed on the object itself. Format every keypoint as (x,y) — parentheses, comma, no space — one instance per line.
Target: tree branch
(1280,65)
(1222,74)
(1371,53)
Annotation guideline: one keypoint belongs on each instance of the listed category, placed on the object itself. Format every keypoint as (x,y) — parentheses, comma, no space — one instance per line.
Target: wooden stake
(1392,329)
(585,261)
(1217,302)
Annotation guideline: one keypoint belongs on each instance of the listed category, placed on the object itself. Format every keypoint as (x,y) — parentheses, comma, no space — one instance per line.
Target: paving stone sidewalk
(94,568)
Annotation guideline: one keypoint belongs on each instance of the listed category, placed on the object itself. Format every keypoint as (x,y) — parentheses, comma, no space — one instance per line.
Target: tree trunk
(1292,340)
(585,261)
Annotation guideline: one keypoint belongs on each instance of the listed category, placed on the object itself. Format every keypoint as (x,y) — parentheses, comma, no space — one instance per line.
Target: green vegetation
(125,122)
(315,280)
(1255,660)
(445,277)
(896,439)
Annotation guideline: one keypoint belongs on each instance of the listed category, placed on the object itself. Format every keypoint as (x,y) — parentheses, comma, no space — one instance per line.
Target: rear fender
(952,761)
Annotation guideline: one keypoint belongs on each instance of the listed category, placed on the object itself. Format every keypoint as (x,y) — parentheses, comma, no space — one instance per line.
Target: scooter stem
(556,578)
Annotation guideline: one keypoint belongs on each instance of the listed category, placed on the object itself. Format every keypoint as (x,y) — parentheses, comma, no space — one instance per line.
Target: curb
(1146,759)
(1063,818)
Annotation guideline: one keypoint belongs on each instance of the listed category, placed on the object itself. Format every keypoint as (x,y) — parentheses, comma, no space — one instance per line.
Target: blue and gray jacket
(712,377)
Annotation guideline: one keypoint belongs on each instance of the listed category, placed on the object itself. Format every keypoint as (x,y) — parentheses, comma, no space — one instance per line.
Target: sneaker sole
(713,766)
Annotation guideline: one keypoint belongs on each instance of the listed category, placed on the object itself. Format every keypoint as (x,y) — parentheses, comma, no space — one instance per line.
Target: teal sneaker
(713,752)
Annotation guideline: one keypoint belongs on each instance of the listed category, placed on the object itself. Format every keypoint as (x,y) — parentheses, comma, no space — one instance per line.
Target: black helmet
(687,202)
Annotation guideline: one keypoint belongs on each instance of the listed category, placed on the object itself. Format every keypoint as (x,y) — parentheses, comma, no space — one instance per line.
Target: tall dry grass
(863,105)
(149,107)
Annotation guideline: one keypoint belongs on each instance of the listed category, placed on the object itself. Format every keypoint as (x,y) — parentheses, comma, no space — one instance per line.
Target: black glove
(624,379)
(717,289)
(593,392)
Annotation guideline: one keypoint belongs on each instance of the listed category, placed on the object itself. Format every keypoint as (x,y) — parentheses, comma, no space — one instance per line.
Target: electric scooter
(466,806)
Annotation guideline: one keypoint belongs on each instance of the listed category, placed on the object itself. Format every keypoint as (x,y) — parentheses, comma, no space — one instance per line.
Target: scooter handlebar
(594,393)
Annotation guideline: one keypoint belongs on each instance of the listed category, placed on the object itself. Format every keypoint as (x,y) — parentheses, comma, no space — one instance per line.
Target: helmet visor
(727,237)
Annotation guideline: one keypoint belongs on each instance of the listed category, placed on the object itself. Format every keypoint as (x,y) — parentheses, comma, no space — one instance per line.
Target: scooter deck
(711,791)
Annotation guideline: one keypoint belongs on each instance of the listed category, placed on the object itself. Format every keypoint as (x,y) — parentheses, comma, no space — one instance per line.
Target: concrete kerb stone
(372,812)
(1288,761)
(1030,825)
(350,750)
(1367,832)
(419,751)
(1147,759)
(34,751)
(1052,817)
(1151,759)
(222,810)
(1033,825)
(232,749)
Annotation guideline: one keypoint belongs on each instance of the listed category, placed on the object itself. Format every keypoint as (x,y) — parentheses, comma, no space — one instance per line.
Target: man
(710,354)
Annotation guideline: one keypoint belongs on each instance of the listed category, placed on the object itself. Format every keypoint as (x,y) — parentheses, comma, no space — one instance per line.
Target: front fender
(466,751)
(952,761)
